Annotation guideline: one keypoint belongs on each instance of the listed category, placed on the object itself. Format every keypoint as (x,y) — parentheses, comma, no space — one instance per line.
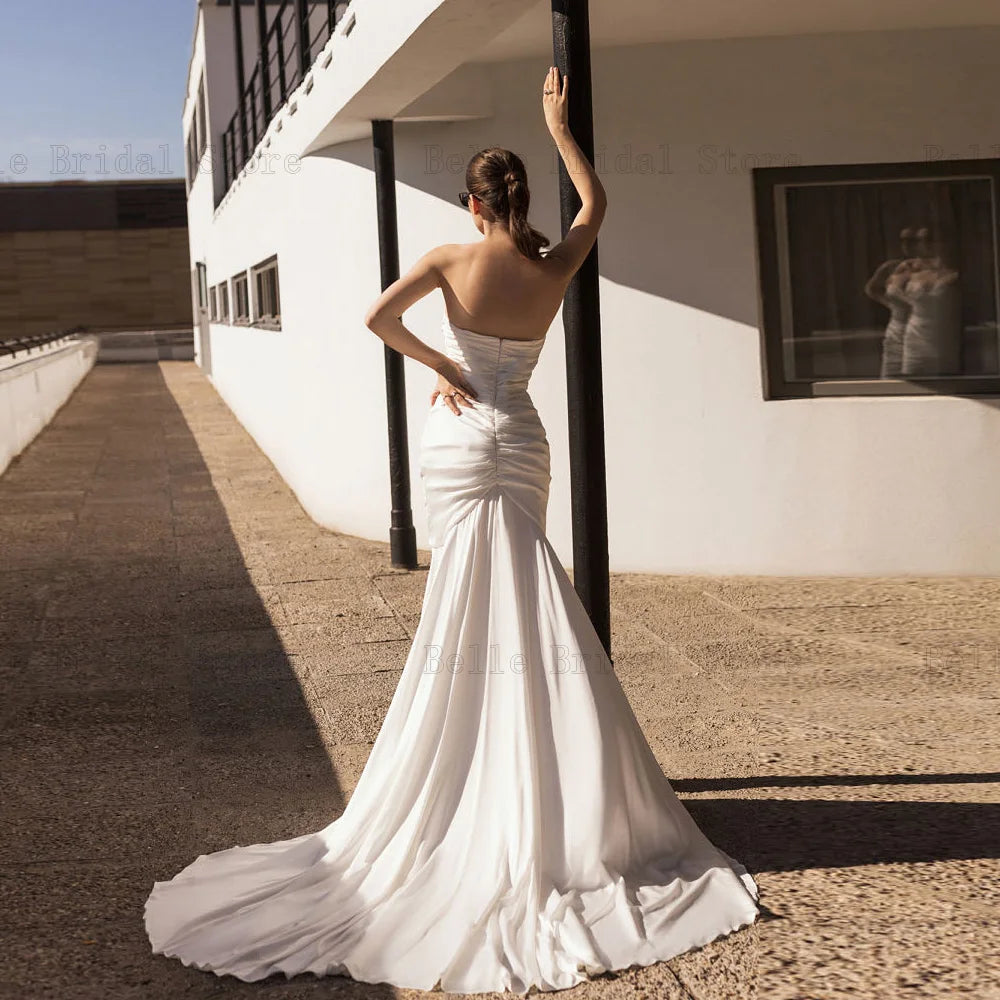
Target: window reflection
(890,279)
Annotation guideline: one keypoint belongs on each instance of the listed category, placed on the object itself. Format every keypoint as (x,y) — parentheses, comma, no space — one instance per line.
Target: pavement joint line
(395,614)
(672,648)
(779,628)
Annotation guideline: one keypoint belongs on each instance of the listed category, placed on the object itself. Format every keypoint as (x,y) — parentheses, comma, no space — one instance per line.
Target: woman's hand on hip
(453,386)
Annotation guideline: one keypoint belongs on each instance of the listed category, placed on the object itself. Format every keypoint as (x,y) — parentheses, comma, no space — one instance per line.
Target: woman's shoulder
(458,248)
(451,253)
(440,259)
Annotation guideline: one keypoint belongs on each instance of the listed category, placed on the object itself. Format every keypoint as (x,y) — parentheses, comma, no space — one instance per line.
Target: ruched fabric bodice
(497,444)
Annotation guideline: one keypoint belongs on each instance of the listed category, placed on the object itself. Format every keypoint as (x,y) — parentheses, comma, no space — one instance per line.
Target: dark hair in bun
(497,177)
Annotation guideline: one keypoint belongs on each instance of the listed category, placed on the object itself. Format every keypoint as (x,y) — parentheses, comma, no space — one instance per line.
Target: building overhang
(404,63)
(399,55)
(638,22)
(419,60)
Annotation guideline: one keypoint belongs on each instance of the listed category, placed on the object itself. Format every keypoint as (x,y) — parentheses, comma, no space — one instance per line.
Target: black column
(302,37)
(241,85)
(265,69)
(402,536)
(279,45)
(582,323)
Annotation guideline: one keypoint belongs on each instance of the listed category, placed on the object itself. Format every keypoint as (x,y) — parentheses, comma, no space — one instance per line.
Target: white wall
(33,388)
(704,475)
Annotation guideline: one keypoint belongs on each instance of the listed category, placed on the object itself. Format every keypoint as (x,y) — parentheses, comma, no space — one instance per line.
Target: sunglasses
(463,197)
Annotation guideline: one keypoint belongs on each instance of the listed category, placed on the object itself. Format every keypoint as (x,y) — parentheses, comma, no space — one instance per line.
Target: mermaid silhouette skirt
(892,347)
(511,827)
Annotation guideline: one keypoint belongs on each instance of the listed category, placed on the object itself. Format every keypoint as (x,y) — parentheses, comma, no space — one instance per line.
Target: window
(201,119)
(267,305)
(214,300)
(197,137)
(189,154)
(241,301)
(224,302)
(201,284)
(879,279)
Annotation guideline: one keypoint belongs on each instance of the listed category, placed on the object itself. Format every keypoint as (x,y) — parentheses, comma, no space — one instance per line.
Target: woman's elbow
(371,318)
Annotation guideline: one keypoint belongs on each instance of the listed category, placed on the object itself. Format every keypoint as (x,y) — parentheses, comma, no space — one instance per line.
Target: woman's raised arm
(573,249)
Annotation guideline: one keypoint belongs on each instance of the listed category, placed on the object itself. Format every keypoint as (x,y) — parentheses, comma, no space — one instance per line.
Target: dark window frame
(201,284)
(189,159)
(201,117)
(197,135)
(224,315)
(241,299)
(261,274)
(772,294)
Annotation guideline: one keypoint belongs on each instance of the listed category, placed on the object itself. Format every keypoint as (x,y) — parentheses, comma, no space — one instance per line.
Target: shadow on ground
(785,835)
(150,710)
(189,662)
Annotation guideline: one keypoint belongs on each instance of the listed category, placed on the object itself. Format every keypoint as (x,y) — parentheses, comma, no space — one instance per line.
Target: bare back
(491,288)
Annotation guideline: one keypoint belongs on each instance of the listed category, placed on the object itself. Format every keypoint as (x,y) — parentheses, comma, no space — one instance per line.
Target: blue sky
(77,77)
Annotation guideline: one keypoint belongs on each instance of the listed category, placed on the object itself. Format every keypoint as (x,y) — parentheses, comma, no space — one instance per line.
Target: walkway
(189,662)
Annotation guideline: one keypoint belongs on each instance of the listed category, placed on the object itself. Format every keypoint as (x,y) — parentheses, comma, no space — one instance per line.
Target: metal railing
(294,39)
(25,345)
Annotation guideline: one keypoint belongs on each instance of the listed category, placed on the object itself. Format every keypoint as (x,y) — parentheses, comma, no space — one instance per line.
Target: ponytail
(497,177)
(527,239)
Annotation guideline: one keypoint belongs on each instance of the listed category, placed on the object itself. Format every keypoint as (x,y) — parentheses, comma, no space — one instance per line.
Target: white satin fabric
(511,826)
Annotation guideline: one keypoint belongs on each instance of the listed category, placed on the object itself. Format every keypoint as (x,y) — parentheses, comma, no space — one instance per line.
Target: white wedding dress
(511,827)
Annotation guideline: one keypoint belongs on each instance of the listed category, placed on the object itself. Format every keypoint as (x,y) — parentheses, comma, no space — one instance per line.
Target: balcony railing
(292,42)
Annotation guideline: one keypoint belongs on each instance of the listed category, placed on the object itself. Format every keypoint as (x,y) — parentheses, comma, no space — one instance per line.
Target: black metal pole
(240,80)
(279,39)
(302,37)
(402,536)
(265,69)
(582,322)
(255,134)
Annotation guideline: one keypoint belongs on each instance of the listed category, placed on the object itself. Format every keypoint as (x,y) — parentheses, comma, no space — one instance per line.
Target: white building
(710,470)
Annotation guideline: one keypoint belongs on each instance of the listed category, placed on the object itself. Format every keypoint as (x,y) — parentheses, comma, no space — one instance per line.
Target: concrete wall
(33,387)
(704,475)
(101,278)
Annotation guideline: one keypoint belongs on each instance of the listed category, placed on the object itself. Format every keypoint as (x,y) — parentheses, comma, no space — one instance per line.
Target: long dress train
(511,827)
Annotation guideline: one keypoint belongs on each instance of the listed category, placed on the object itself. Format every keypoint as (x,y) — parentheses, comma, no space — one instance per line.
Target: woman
(932,340)
(511,827)
(885,287)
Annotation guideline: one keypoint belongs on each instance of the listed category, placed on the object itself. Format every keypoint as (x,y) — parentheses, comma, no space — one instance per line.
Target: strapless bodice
(497,445)
(496,366)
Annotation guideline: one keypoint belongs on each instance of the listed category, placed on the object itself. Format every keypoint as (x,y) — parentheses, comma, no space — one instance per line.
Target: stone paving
(189,662)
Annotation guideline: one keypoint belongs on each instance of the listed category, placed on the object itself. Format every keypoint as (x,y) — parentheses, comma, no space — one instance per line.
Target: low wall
(146,345)
(34,386)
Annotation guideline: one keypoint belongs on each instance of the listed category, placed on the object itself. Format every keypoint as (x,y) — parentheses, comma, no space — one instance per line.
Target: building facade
(798,263)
